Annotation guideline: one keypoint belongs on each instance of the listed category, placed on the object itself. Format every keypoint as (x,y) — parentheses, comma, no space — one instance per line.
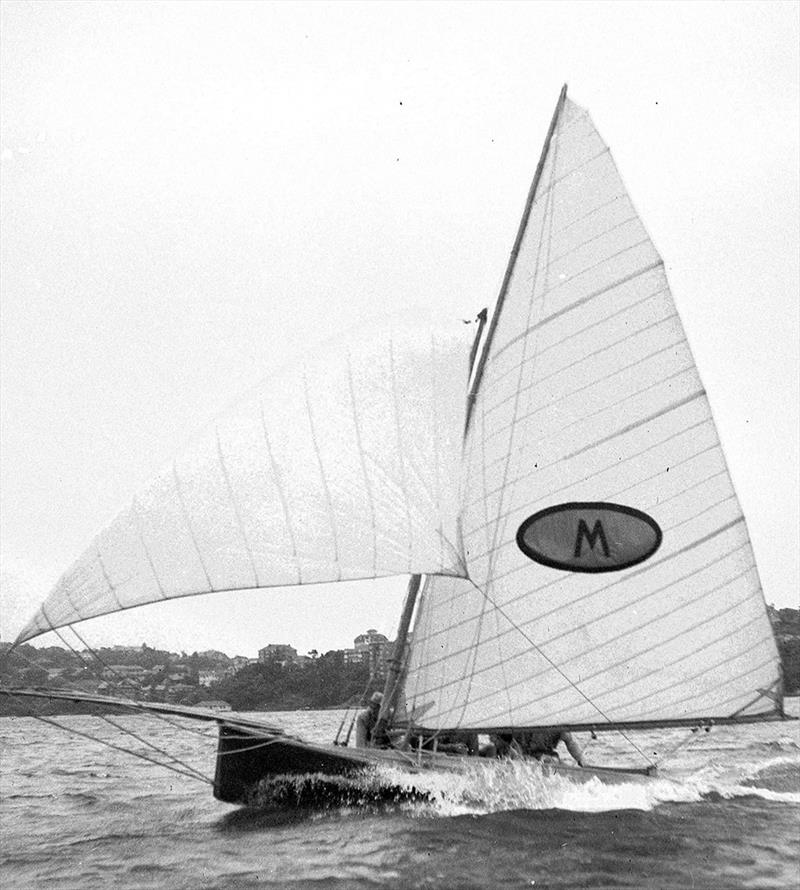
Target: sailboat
(578,558)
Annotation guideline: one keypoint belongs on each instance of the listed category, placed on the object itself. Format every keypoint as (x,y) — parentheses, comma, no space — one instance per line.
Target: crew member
(543,743)
(366,720)
(539,744)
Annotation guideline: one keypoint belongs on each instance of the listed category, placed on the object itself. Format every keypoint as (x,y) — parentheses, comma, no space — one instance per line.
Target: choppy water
(76,814)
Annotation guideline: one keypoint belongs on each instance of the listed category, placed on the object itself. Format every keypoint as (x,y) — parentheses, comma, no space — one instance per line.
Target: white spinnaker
(345,467)
(590,393)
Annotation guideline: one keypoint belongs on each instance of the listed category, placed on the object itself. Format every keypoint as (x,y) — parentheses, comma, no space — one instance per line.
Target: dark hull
(251,764)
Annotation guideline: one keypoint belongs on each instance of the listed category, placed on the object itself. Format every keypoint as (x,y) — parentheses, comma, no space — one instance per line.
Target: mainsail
(588,394)
(343,468)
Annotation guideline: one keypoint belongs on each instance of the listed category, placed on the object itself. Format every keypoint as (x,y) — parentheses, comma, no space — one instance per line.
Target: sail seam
(715,641)
(706,669)
(588,596)
(622,195)
(585,358)
(323,480)
(137,512)
(558,669)
(612,466)
(632,574)
(188,525)
(437,482)
(728,680)
(531,678)
(107,579)
(563,282)
(236,511)
(571,172)
(576,333)
(282,496)
(401,455)
(625,279)
(615,494)
(362,460)
(597,237)
(551,498)
(609,406)
(632,426)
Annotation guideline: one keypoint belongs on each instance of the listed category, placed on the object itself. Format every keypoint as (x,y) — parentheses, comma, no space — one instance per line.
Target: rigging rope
(155,747)
(194,774)
(558,669)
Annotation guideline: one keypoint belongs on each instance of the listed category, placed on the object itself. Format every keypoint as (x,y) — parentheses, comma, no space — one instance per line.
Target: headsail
(341,469)
(589,396)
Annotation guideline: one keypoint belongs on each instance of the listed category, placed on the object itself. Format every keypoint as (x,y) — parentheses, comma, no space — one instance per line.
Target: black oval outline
(578,505)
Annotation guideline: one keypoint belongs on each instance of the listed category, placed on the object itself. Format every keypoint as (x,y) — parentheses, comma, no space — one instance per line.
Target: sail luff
(532,192)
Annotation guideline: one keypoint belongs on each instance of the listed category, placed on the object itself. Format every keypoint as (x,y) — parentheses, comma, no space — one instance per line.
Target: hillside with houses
(279,678)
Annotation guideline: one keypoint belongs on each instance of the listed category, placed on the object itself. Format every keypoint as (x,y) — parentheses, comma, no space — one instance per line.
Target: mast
(487,343)
(391,689)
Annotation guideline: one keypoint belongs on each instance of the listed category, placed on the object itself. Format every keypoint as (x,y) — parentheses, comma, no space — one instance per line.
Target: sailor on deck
(366,720)
(533,743)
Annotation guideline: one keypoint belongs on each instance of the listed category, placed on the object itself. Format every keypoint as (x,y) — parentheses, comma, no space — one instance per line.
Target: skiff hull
(253,767)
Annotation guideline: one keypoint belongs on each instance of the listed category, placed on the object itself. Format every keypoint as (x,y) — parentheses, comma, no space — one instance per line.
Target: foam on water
(496,786)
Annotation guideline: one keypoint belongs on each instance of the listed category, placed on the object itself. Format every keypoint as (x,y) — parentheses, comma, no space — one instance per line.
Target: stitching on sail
(634,573)
(625,279)
(607,407)
(614,465)
(495,381)
(632,426)
(282,496)
(401,454)
(236,511)
(188,524)
(437,482)
(532,678)
(545,193)
(137,512)
(361,457)
(622,195)
(558,669)
(621,710)
(584,358)
(540,618)
(729,679)
(597,237)
(324,481)
(714,446)
(111,587)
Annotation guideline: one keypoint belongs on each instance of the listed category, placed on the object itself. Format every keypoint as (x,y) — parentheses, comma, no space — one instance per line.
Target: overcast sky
(195,192)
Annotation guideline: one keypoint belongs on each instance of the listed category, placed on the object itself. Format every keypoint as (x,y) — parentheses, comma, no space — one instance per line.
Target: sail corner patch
(590,536)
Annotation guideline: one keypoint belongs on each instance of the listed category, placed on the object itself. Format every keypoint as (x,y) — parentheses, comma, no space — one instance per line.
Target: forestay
(589,393)
(343,468)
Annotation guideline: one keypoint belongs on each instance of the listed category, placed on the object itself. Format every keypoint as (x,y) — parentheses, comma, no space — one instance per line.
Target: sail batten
(589,397)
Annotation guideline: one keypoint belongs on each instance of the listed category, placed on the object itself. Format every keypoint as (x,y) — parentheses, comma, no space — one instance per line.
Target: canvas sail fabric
(590,394)
(346,467)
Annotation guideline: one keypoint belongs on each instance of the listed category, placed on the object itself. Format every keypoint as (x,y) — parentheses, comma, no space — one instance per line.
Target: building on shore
(280,652)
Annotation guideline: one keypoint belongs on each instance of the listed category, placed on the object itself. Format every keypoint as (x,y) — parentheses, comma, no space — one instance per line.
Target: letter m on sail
(591,537)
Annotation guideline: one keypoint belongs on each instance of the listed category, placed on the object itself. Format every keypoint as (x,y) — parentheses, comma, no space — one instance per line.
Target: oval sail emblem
(589,537)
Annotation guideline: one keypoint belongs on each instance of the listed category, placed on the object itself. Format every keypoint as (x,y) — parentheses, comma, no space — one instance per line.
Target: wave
(498,786)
